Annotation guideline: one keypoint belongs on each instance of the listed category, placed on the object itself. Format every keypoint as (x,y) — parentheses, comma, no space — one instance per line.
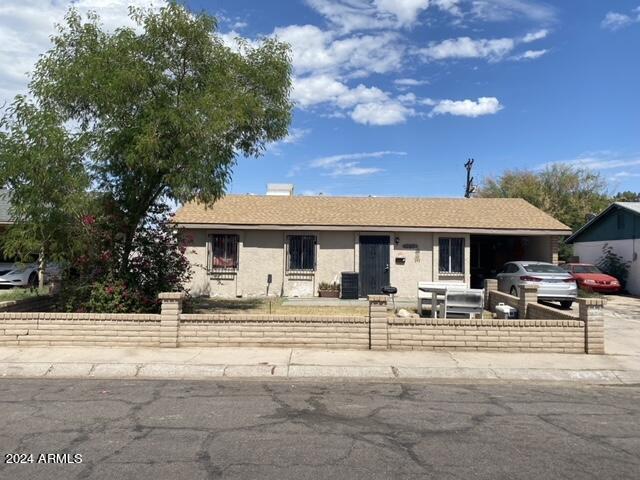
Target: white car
(23,274)
(554,283)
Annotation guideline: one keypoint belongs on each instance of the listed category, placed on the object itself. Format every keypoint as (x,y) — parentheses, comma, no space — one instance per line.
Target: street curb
(202,372)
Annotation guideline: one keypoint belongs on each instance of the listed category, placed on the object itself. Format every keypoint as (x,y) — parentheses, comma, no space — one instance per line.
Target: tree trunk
(41,267)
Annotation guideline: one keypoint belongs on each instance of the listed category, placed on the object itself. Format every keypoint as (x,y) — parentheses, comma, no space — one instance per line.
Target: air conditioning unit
(349,290)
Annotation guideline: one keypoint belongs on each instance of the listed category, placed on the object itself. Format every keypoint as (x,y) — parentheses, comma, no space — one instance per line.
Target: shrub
(157,263)
(329,286)
(613,264)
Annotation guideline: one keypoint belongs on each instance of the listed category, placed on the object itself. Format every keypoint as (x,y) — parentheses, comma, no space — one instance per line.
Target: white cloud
(357,15)
(366,105)
(349,164)
(599,160)
(466,47)
(295,135)
(335,159)
(468,108)
(533,36)
(450,6)
(624,174)
(313,90)
(530,54)
(352,15)
(505,10)
(316,50)
(615,21)
(25,27)
(408,98)
(410,82)
(601,163)
(405,11)
(382,113)
(493,50)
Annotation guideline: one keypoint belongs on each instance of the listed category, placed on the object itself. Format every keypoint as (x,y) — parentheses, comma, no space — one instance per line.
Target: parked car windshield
(586,269)
(543,268)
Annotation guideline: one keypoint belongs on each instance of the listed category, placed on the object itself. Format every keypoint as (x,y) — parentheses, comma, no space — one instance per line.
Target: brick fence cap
(592,302)
(171,296)
(378,298)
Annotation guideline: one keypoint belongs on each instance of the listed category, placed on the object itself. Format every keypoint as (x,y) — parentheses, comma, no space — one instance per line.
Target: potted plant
(331,290)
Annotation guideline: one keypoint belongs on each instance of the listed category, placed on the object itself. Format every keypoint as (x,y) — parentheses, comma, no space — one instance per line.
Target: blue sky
(578,100)
(394,95)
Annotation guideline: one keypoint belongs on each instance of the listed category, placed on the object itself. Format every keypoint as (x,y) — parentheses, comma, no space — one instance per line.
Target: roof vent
(280,189)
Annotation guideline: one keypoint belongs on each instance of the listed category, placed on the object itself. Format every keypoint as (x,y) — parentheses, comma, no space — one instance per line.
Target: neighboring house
(619,226)
(280,244)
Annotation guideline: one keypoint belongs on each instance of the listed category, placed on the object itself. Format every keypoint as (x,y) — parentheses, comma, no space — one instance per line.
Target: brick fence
(377,331)
(67,329)
(590,316)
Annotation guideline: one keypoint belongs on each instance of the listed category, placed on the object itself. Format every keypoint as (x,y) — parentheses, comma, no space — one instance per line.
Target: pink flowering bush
(157,263)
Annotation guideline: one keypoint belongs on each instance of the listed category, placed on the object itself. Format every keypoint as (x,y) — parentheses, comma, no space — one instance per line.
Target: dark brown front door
(374,264)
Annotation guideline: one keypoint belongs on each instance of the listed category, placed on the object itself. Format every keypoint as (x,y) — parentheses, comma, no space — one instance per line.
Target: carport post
(527,294)
(590,311)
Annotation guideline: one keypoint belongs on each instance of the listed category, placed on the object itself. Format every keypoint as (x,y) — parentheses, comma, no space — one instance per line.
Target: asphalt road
(259,430)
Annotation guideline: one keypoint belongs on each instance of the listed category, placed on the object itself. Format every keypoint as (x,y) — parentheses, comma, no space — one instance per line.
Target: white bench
(449,298)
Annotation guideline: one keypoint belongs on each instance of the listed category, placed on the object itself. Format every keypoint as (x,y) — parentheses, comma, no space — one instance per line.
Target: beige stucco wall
(263,252)
(336,254)
(417,265)
(260,254)
(543,248)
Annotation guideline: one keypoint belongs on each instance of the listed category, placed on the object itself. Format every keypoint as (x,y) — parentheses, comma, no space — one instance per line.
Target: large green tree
(564,191)
(167,107)
(626,196)
(41,164)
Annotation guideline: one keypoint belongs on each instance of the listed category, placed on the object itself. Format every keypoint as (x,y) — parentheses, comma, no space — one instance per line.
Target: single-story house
(618,226)
(285,245)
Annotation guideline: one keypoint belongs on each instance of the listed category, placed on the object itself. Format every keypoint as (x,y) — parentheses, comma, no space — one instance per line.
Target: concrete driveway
(622,325)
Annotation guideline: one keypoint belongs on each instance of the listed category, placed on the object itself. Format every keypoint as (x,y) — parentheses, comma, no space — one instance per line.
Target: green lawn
(20,294)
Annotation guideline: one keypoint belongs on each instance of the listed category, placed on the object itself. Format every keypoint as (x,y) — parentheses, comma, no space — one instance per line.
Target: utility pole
(470,188)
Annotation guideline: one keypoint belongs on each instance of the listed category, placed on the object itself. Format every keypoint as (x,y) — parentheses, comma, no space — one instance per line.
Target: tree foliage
(41,164)
(566,192)
(127,120)
(626,196)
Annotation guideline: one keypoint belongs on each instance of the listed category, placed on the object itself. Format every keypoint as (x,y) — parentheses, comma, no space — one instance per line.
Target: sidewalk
(286,363)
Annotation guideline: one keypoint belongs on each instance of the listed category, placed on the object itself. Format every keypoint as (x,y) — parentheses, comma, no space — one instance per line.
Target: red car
(589,277)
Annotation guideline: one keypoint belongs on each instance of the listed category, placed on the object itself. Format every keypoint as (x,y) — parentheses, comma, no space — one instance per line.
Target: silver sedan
(554,283)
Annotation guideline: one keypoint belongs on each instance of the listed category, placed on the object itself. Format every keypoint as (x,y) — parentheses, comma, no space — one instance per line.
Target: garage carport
(490,252)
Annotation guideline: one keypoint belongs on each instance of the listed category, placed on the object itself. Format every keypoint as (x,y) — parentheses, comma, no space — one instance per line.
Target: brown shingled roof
(463,213)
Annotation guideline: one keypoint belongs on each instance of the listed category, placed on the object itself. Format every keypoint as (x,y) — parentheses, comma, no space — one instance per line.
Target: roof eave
(578,232)
(372,228)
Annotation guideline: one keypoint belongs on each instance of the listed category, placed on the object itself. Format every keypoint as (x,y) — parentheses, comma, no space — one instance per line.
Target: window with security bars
(301,252)
(223,252)
(451,255)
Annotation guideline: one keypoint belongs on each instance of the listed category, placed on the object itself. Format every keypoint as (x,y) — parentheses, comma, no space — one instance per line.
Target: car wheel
(513,291)
(566,304)
(33,280)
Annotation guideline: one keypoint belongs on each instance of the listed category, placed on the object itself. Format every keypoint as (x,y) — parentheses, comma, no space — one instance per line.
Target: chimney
(280,189)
